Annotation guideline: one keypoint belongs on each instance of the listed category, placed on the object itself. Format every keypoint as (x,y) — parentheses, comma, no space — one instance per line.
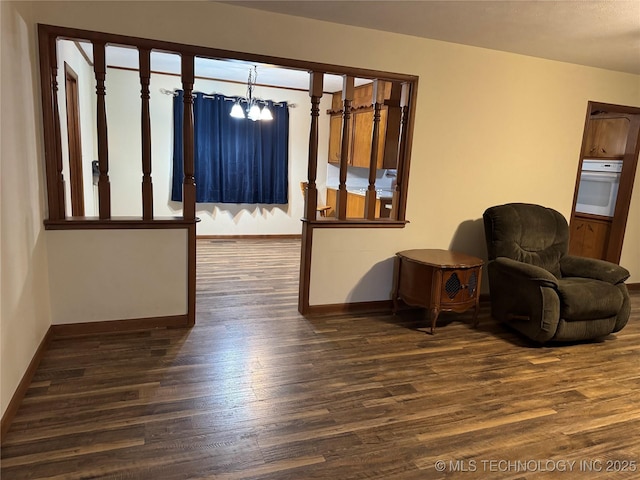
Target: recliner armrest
(573,266)
(530,272)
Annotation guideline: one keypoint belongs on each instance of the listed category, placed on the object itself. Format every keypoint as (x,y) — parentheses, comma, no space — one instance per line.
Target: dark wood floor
(256,391)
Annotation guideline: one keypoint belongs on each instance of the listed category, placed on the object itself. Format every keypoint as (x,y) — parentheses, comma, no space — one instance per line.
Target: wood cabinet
(589,237)
(362,112)
(607,137)
(355,204)
(361,138)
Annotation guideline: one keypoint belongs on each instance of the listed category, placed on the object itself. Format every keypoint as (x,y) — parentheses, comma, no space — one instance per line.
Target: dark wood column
(51,116)
(189,183)
(399,197)
(104,187)
(147,185)
(347,100)
(316,83)
(311,197)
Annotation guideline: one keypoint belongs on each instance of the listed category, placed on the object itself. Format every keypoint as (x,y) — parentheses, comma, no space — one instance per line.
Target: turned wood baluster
(370,196)
(147,185)
(189,183)
(104,187)
(311,197)
(398,194)
(347,99)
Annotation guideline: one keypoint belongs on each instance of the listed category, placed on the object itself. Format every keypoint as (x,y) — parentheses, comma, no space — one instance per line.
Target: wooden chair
(321,209)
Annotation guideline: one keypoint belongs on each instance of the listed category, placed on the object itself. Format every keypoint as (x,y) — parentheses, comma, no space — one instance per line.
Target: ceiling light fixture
(253,110)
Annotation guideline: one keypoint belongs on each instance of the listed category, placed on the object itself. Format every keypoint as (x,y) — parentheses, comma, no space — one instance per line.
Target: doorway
(74,142)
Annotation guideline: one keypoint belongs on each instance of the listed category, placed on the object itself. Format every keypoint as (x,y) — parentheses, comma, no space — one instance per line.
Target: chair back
(527,233)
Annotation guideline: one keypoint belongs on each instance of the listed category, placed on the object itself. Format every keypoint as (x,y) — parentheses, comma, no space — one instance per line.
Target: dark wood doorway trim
(74,141)
(618,223)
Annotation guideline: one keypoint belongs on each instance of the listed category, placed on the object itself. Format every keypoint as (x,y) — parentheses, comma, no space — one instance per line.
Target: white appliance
(598,190)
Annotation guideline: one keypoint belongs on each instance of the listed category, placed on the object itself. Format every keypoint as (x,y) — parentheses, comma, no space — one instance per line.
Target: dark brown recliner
(540,290)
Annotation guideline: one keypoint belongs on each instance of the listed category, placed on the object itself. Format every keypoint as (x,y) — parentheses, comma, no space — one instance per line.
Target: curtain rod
(226,97)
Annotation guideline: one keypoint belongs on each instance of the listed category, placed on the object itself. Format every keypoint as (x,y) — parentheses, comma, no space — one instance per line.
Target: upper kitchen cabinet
(362,127)
(607,135)
(362,115)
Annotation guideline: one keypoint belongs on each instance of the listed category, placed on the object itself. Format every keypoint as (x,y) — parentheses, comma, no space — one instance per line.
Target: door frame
(76,177)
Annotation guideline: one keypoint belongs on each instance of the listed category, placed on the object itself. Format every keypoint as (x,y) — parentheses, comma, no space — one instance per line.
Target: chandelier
(252,109)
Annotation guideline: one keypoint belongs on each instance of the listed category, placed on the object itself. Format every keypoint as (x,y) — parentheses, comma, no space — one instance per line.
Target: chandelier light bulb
(266,114)
(254,112)
(236,111)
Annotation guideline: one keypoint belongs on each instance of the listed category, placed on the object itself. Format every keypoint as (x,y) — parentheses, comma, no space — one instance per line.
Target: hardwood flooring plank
(255,391)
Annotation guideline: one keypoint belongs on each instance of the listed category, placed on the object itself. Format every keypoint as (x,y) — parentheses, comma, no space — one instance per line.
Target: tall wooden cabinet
(612,132)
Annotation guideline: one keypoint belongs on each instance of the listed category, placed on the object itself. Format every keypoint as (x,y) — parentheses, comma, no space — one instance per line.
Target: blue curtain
(236,160)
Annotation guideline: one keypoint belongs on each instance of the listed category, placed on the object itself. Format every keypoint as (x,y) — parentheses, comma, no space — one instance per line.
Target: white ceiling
(597,33)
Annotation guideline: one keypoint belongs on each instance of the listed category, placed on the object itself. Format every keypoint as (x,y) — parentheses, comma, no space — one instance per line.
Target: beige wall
(147,274)
(24,311)
(491,127)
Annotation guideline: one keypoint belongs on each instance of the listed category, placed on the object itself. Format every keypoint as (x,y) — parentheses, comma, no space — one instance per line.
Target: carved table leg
(434,318)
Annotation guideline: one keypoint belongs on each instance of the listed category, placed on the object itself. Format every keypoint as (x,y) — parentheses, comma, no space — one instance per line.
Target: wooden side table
(439,280)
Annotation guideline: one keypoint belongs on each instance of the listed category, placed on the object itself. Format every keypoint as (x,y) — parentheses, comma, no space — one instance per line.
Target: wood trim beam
(48,121)
(51,121)
(216,53)
(305,267)
(625,190)
(357,223)
(191,275)
(399,202)
(93,223)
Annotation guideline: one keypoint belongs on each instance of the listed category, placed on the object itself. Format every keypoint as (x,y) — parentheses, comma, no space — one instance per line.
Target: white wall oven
(598,189)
